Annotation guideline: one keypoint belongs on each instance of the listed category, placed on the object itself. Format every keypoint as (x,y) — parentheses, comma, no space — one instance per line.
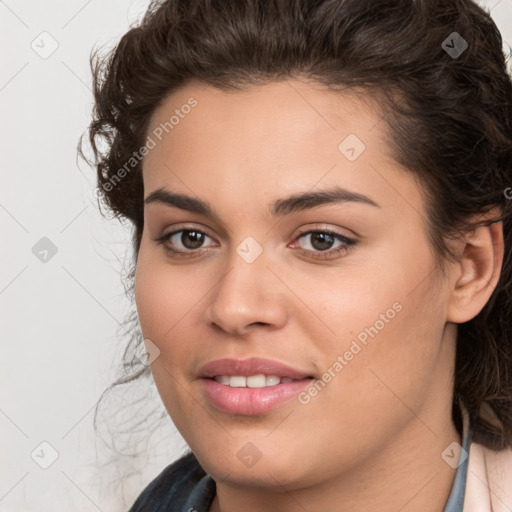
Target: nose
(248,296)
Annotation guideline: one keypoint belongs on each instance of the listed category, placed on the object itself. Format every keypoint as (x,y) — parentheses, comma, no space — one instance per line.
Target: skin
(372,438)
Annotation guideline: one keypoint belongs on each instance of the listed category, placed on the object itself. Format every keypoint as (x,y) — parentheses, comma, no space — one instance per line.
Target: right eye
(183,242)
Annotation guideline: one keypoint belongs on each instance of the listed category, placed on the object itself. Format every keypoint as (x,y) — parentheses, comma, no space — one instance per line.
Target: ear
(476,273)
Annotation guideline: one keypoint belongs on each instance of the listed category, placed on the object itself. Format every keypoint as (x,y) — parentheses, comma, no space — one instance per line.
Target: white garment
(489,479)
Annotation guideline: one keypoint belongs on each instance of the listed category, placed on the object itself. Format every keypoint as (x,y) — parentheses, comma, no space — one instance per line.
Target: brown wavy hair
(449,120)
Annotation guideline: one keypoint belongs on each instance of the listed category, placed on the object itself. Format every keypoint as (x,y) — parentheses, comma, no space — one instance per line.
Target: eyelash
(347,243)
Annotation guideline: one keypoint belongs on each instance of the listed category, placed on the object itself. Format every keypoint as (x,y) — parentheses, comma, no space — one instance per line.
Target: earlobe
(478,271)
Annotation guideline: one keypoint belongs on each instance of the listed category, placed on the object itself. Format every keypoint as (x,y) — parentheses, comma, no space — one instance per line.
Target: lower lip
(252,401)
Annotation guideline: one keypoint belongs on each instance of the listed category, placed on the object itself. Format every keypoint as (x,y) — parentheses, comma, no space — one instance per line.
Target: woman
(322,242)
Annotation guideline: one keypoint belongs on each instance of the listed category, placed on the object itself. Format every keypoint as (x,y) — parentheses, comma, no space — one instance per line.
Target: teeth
(223,379)
(256,381)
(272,380)
(253,381)
(237,381)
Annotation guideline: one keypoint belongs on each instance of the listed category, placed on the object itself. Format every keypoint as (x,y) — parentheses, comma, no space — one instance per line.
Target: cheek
(390,349)
(165,301)
(164,298)
(375,372)
(163,294)
(386,322)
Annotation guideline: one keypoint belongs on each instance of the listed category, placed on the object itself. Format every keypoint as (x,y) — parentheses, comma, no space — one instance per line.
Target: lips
(246,400)
(248,367)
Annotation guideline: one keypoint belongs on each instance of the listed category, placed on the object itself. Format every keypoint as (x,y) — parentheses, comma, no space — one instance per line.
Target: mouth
(251,386)
(251,381)
(249,368)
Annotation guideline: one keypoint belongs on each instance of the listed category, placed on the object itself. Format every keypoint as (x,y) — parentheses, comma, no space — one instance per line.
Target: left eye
(320,241)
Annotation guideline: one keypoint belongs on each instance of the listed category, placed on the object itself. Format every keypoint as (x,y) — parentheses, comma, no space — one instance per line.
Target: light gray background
(60,318)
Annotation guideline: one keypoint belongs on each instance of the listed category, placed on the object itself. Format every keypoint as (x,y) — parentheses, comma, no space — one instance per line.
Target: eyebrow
(294,203)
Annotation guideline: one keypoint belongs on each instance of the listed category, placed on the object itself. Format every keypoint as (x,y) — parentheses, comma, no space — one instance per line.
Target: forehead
(291,107)
(283,136)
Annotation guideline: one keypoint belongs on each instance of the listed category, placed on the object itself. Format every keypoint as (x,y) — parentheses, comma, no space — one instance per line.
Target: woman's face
(356,310)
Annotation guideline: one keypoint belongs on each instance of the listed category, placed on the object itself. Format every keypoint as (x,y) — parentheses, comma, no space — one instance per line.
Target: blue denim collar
(455,501)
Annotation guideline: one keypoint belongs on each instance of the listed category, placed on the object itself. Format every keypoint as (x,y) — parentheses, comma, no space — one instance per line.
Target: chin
(251,467)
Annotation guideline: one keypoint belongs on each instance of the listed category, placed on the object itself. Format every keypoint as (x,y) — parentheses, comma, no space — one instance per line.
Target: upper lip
(251,366)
